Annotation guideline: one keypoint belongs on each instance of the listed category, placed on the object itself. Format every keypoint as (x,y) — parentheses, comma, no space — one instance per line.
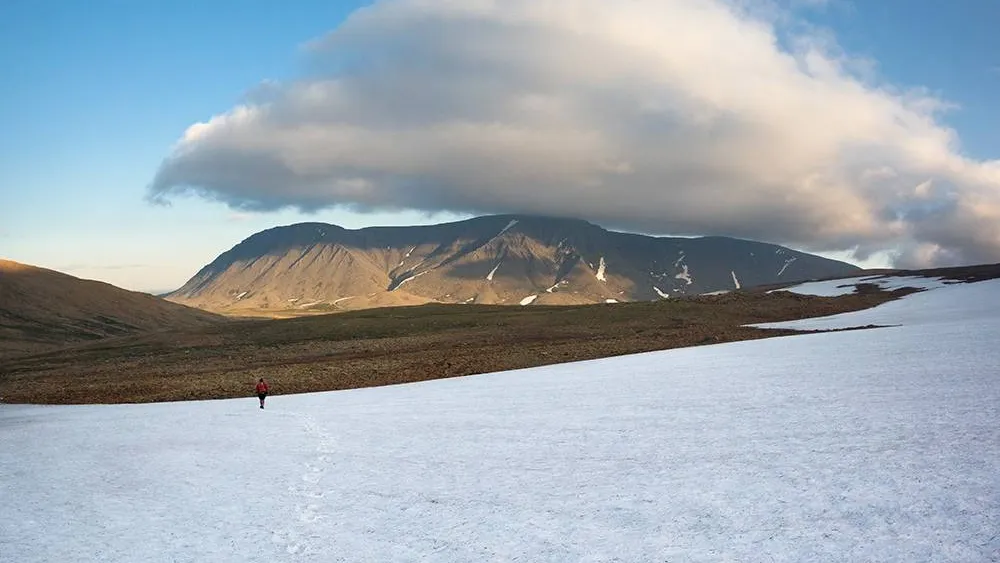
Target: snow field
(846,286)
(962,304)
(875,445)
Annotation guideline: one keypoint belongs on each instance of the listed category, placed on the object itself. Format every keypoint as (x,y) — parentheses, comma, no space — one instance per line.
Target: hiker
(262,391)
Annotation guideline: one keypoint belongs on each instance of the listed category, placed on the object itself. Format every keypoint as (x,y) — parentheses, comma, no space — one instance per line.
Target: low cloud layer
(663,116)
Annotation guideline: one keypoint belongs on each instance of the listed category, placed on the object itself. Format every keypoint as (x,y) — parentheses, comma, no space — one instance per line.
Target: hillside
(504,259)
(42,309)
(395,345)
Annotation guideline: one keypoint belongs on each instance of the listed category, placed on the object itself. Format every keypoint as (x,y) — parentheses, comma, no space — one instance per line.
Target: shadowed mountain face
(42,309)
(502,259)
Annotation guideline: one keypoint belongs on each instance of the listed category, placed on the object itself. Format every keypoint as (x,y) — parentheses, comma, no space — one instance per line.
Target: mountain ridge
(505,259)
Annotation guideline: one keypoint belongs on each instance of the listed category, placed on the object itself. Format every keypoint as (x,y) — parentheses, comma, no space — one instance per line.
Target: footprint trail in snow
(300,538)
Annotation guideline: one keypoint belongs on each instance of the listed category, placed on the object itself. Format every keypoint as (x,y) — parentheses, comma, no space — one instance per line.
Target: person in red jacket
(262,391)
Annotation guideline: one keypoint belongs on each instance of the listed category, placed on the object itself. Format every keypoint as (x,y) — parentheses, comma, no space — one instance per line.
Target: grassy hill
(43,309)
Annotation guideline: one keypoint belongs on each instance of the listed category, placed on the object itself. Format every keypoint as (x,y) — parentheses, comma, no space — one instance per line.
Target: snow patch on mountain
(611,301)
(601,267)
(788,263)
(556,286)
(660,293)
(509,225)
(529,300)
(242,295)
(489,276)
(404,280)
(736,282)
(680,258)
(685,275)
(407,255)
(505,229)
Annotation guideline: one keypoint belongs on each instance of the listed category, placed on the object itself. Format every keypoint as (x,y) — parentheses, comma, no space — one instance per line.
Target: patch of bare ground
(394,345)
(957,274)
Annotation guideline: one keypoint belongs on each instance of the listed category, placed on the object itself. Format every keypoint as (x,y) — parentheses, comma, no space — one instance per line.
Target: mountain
(499,259)
(42,309)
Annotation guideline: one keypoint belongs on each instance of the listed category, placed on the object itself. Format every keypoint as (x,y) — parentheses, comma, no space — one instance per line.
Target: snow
(788,263)
(898,282)
(826,288)
(407,255)
(493,271)
(242,295)
(943,304)
(736,282)
(509,225)
(335,301)
(529,300)
(600,270)
(404,280)
(680,258)
(556,286)
(846,286)
(309,304)
(685,275)
(660,293)
(611,301)
(876,445)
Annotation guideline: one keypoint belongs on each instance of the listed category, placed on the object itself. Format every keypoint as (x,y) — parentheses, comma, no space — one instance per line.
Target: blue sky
(97,94)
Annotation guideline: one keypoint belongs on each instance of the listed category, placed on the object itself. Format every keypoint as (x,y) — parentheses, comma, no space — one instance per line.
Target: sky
(142,139)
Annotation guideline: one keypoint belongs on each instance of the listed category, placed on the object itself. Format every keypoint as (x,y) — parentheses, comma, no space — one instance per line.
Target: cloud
(668,116)
(240,216)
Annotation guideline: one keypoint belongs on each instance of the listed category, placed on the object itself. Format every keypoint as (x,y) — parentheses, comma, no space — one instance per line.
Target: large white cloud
(679,116)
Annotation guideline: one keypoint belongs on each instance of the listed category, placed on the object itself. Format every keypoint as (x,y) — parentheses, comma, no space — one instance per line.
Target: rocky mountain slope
(501,259)
(42,309)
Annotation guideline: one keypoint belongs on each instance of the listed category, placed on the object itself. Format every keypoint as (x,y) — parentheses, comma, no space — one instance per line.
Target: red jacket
(261,387)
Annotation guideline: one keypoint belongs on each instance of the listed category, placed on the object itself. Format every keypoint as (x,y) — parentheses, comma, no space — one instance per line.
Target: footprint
(310,514)
(286,539)
(307,492)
